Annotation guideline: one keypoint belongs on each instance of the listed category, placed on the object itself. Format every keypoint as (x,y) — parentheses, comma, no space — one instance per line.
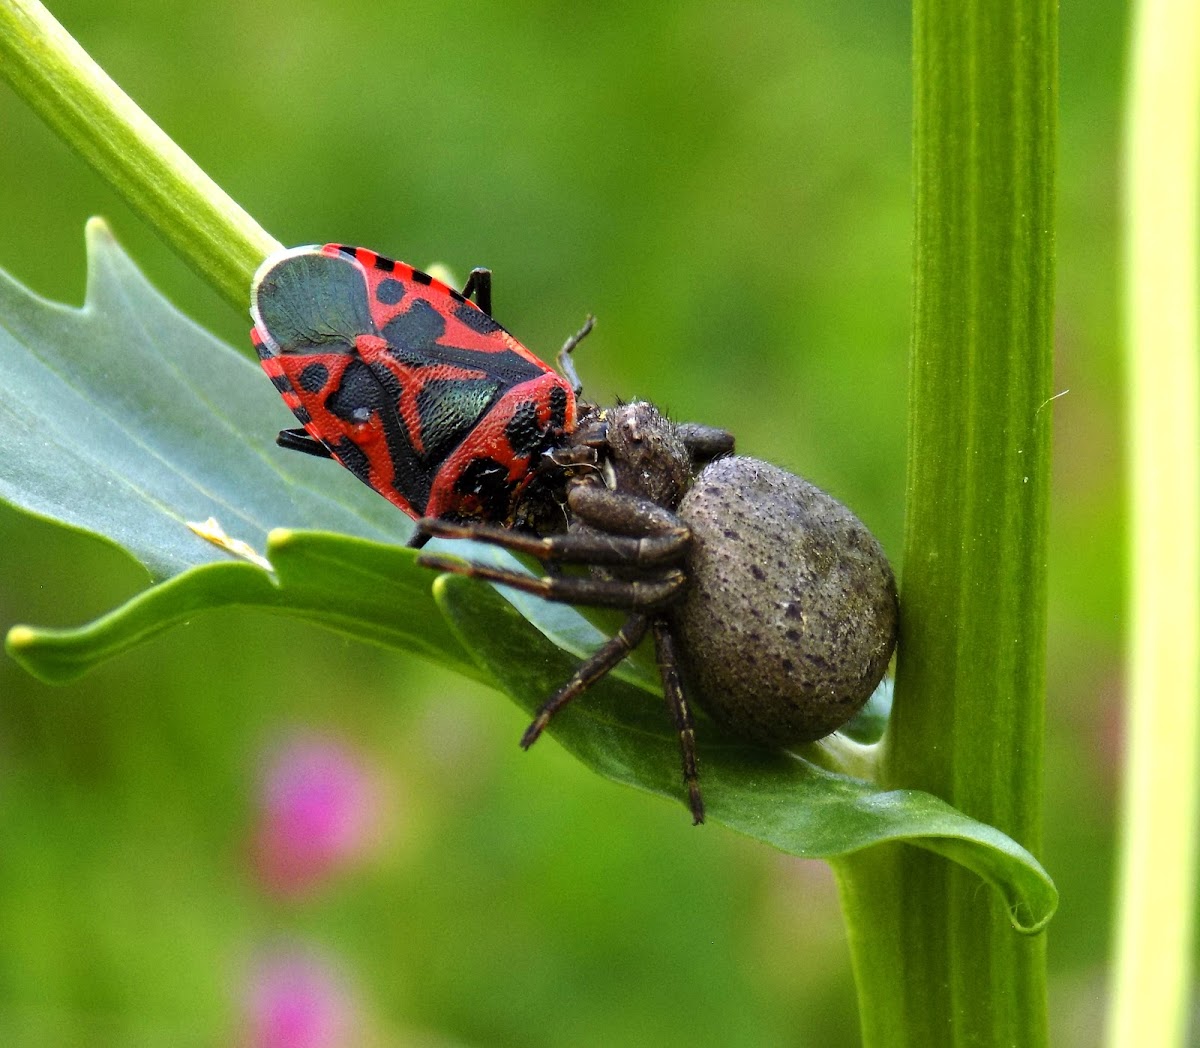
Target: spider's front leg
(643,542)
(635,594)
(640,539)
(705,443)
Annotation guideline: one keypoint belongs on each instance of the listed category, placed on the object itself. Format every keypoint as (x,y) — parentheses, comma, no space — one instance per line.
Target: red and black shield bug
(406,382)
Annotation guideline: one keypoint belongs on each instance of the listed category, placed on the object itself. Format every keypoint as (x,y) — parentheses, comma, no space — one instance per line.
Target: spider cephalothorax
(769,603)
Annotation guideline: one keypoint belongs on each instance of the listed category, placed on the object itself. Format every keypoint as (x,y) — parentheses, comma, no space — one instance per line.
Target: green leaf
(369,591)
(125,419)
(623,732)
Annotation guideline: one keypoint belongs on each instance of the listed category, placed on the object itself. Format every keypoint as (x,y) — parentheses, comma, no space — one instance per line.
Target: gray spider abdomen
(789,620)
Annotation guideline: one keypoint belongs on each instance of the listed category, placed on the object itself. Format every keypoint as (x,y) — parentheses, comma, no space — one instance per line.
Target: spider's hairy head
(645,455)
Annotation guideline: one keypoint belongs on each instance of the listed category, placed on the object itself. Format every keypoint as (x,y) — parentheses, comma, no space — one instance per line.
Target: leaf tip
(277,538)
(26,647)
(447,585)
(1026,921)
(98,231)
(441,271)
(19,638)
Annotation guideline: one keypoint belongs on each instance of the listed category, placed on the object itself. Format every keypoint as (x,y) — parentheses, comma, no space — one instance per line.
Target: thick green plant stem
(1151,974)
(936,959)
(76,98)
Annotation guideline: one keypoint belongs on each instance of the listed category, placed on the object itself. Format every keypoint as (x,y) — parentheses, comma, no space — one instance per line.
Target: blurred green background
(727,186)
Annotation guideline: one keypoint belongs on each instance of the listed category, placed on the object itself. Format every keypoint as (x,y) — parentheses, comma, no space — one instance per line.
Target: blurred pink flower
(296,1000)
(320,813)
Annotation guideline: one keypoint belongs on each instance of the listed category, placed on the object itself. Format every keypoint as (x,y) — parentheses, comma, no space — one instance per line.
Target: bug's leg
(633,595)
(479,284)
(668,668)
(301,440)
(565,364)
(705,443)
(605,658)
(418,539)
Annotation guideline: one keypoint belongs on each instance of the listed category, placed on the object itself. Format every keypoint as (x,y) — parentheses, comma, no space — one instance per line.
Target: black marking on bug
(385,264)
(457,295)
(314,377)
(281,383)
(449,410)
(302,415)
(421,278)
(365,391)
(558,408)
(476,319)
(390,291)
(522,431)
(488,480)
(413,335)
(352,457)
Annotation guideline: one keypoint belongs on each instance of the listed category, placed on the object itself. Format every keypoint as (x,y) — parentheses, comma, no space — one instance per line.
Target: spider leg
(681,714)
(622,514)
(632,595)
(705,443)
(586,547)
(589,671)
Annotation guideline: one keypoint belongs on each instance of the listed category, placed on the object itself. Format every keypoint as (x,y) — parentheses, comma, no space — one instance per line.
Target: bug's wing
(304,300)
(312,309)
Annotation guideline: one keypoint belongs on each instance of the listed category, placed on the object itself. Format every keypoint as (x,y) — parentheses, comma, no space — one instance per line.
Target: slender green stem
(936,959)
(1152,983)
(76,98)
